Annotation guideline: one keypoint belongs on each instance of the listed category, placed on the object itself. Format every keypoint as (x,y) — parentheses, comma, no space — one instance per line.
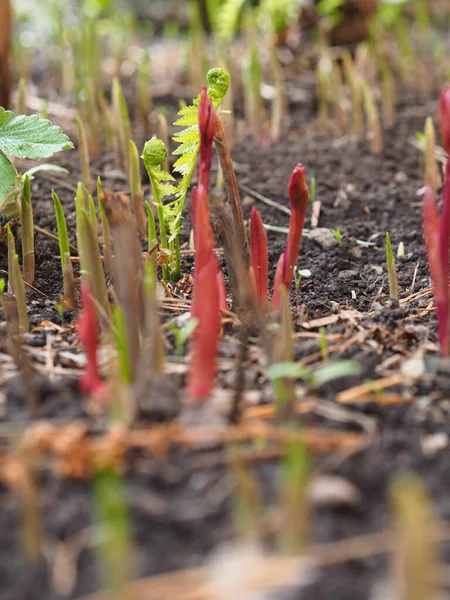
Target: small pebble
(400,177)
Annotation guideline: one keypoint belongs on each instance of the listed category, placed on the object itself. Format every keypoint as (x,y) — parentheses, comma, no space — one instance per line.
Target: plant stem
(27,233)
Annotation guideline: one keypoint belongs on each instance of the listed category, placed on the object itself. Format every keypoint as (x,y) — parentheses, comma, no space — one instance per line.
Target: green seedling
(122,120)
(429,140)
(59,307)
(26,137)
(143,89)
(182,334)
(107,123)
(389,93)
(337,235)
(391,269)
(137,195)
(114,529)
(11,251)
(294,501)
(19,293)
(354,82)
(373,119)
(252,76)
(83,151)
(323,344)
(27,233)
(106,233)
(314,378)
(92,263)
(121,341)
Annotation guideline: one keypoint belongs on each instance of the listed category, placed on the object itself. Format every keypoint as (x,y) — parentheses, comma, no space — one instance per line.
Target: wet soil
(181,511)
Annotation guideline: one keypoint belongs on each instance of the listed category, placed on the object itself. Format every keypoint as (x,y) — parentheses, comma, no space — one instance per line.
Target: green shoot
(182,334)
(431,172)
(337,235)
(93,261)
(323,344)
(122,120)
(84,155)
(151,227)
(137,195)
(11,251)
(252,85)
(91,212)
(294,501)
(354,82)
(143,89)
(114,529)
(388,95)
(373,119)
(19,293)
(163,131)
(26,137)
(121,339)
(392,272)
(27,233)
(106,233)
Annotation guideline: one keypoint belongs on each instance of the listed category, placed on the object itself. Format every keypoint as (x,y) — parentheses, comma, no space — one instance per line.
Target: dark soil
(181,511)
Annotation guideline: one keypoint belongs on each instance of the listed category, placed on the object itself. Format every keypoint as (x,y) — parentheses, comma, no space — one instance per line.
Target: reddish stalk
(444,117)
(259,256)
(90,381)
(278,281)
(203,364)
(298,196)
(438,269)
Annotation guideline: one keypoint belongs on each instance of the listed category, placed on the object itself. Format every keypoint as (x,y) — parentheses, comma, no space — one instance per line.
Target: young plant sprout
(83,151)
(137,195)
(19,293)
(392,271)
(64,252)
(259,256)
(438,265)
(26,218)
(206,338)
(431,172)
(90,381)
(444,118)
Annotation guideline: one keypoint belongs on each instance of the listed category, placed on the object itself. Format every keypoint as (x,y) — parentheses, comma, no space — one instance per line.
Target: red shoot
(259,260)
(207,121)
(205,341)
(444,117)
(222,291)
(279,276)
(438,271)
(194,204)
(204,239)
(90,381)
(298,196)
(444,226)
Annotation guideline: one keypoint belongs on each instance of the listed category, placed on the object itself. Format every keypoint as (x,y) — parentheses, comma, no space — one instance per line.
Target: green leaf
(7,175)
(335,370)
(30,136)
